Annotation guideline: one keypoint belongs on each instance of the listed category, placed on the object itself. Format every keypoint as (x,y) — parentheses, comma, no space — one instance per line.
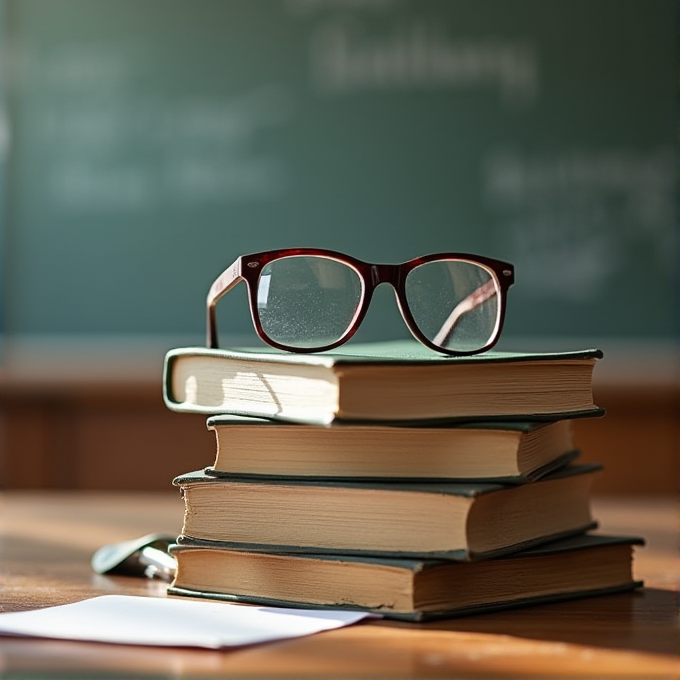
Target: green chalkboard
(153,141)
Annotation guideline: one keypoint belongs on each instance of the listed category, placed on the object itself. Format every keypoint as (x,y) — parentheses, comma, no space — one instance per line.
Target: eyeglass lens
(454,303)
(309,301)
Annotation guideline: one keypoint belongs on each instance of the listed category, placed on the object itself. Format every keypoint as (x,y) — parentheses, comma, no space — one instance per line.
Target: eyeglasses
(311,300)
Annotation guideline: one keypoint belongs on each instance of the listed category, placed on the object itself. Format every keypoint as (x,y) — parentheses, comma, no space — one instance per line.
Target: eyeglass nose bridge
(385,273)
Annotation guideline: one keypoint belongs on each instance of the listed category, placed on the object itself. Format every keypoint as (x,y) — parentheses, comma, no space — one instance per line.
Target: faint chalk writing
(115,148)
(347,58)
(569,218)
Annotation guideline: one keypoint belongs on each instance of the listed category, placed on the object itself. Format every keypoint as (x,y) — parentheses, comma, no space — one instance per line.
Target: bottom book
(413,589)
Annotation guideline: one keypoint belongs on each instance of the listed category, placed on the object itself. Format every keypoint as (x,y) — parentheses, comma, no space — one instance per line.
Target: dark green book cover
(461,452)
(434,520)
(556,571)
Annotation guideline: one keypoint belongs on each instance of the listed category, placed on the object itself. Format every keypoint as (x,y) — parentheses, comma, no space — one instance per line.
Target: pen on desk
(157,563)
(146,556)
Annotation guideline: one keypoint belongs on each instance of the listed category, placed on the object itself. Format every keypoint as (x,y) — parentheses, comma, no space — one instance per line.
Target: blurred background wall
(147,143)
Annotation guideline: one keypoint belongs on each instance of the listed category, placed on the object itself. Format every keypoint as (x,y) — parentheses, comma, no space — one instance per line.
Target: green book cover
(398,380)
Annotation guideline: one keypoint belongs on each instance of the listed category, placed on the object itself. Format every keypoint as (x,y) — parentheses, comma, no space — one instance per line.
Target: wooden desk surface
(46,541)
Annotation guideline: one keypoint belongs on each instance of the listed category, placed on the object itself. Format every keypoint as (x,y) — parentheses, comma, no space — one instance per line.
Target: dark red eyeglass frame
(248,267)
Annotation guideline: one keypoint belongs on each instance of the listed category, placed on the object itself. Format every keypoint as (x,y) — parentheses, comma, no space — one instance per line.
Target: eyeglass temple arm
(472,301)
(220,287)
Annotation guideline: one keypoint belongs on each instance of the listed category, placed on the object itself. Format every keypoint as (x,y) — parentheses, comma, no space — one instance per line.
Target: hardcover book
(398,380)
(412,589)
(510,452)
(447,520)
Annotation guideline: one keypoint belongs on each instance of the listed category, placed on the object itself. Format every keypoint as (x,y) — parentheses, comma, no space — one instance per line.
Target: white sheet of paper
(170,622)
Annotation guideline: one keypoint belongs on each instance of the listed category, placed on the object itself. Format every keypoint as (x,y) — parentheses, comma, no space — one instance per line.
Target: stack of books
(387,478)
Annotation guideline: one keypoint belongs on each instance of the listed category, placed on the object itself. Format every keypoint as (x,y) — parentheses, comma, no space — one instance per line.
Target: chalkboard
(154,141)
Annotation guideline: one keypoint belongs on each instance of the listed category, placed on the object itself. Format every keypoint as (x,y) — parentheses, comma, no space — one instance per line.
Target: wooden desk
(46,540)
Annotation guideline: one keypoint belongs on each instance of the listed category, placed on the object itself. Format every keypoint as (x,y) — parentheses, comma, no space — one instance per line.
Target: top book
(395,380)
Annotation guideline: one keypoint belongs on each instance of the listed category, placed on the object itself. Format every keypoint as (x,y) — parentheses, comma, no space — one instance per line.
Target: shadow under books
(644,620)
